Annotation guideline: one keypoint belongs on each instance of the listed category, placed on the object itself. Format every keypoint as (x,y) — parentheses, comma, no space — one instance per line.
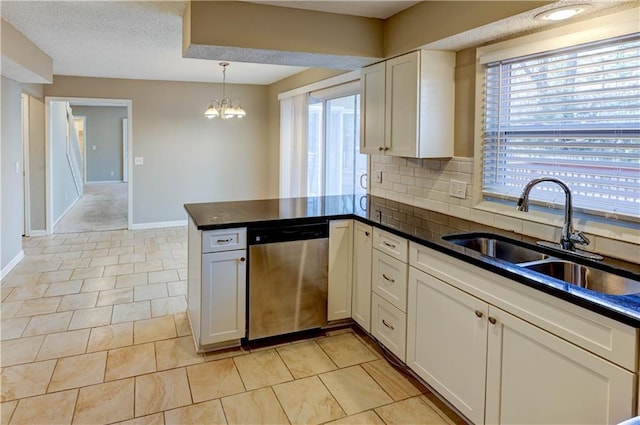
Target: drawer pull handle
(479,313)
(492,320)
(390,245)
(387,325)
(224,240)
(387,278)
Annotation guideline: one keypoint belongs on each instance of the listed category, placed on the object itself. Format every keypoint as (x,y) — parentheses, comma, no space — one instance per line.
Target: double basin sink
(568,271)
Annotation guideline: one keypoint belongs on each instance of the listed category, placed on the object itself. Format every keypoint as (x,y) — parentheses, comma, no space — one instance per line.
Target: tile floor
(94,331)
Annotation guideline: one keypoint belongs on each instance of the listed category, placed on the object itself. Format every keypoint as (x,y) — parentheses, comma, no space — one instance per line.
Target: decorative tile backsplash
(425,183)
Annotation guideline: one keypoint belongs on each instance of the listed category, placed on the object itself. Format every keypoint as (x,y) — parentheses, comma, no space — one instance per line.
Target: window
(572,113)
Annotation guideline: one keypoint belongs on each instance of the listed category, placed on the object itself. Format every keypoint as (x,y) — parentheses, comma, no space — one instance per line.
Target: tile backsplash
(425,183)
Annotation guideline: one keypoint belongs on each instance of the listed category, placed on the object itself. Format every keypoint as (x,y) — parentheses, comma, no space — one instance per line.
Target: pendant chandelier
(224,108)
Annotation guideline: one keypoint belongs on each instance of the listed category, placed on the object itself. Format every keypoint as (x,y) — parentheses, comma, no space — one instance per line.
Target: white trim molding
(14,262)
(158,225)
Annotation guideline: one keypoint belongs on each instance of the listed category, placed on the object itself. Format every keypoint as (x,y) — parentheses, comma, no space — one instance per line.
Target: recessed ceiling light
(561,13)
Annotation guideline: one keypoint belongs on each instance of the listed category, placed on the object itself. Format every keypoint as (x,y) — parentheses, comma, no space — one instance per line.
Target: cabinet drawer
(391,244)
(389,326)
(224,240)
(390,279)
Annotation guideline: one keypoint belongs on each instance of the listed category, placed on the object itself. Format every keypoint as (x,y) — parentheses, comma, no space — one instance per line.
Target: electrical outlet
(378,176)
(457,189)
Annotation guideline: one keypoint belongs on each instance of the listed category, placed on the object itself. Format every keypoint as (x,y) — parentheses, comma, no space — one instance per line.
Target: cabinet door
(224,287)
(389,279)
(361,293)
(372,92)
(389,326)
(340,269)
(447,342)
(534,377)
(402,101)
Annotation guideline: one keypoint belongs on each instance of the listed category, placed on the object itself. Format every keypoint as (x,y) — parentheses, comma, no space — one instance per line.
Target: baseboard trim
(37,233)
(159,224)
(6,269)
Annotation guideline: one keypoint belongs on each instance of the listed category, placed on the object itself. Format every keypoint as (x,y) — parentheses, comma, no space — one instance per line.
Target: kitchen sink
(494,246)
(585,276)
(594,279)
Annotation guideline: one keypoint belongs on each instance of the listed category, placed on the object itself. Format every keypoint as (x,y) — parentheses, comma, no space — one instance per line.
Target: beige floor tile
(132,258)
(177,352)
(130,280)
(393,382)
(75,263)
(177,288)
(110,336)
(147,266)
(115,296)
(92,253)
(150,292)
(64,344)
(262,369)
(6,410)
(254,407)
(182,324)
(169,264)
(225,354)
(48,323)
(10,309)
(307,401)
(99,284)
(35,265)
(131,311)
(38,306)
(161,391)
(78,371)
(305,359)
(13,328)
(163,276)
(155,419)
(209,412)
(365,418)
(118,269)
(28,292)
(78,301)
(167,306)
(91,317)
(56,408)
(87,272)
(104,261)
(355,390)
(442,409)
(25,380)
(20,279)
(18,351)
(105,403)
(82,246)
(57,276)
(214,380)
(63,288)
(154,329)
(130,361)
(345,349)
(410,411)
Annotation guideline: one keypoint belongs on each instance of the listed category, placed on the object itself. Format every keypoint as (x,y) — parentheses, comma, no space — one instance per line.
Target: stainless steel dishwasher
(288,269)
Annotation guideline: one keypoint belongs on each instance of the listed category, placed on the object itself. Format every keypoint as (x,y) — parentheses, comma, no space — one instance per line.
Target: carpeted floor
(103,207)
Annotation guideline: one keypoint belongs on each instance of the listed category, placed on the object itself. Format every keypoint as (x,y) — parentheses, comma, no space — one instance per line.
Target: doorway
(88,151)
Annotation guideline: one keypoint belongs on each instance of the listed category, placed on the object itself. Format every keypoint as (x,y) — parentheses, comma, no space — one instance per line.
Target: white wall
(64,188)
(12,198)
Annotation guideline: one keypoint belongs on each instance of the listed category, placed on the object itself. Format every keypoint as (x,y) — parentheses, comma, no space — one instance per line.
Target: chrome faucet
(569,236)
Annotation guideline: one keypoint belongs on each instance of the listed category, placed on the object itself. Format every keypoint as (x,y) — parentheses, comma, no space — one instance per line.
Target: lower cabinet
(388,325)
(224,294)
(457,343)
(340,269)
(361,292)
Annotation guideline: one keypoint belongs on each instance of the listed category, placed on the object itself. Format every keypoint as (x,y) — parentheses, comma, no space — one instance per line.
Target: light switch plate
(457,189)
(139,160)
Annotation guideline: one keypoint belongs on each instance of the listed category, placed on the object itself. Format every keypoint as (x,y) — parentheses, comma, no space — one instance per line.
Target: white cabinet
(497,368)
(361,292)
(417,90)
(216,291)
(389,326)
(340,269)
(390,279)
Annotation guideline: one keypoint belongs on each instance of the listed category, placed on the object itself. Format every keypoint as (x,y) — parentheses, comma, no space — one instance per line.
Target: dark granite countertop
(426,228)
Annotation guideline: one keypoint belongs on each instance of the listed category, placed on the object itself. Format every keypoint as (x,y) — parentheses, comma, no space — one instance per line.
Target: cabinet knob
(366,233)
(387,325)
(386,148)
(242,259)
(380,148)
(479,313)
(492,320)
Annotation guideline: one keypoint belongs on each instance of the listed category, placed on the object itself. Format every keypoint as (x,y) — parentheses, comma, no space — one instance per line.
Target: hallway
(102,207)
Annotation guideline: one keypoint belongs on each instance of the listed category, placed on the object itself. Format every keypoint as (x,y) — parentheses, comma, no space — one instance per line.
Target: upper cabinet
(408,105)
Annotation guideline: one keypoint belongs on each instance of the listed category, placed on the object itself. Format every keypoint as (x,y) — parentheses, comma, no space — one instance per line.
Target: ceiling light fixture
(562,13)
(224,108)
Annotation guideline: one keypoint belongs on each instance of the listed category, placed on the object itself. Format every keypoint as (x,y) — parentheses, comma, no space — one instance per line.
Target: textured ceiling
(143,39)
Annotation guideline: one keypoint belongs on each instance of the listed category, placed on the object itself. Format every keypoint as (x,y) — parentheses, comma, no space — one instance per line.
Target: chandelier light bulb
(224,108)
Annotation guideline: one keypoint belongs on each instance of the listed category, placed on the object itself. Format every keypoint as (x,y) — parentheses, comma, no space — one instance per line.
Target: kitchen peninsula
(429,301)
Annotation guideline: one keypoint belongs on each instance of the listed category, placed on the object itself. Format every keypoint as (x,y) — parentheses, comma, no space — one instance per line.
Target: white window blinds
(573,114)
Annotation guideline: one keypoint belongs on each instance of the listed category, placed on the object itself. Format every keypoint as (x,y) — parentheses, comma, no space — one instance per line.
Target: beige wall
(187,158)
(21,59)
(36,163)
(464,118)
